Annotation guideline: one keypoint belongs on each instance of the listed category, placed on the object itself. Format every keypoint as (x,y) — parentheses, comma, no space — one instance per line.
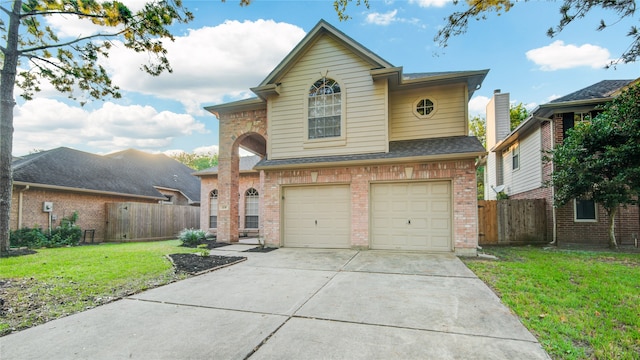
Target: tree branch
(62,12)
(5,10)
(68,43)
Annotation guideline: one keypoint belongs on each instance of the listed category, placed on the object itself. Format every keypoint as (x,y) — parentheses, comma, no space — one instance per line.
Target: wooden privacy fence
(504,222)
(145,222)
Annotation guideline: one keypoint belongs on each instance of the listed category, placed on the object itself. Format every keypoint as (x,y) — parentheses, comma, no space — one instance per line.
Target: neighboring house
(249,190)
(356,154)
(70,180)
(516,168)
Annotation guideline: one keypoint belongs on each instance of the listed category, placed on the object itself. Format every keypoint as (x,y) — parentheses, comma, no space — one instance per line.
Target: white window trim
(329,141)
(429,115)
(515,151)
(575,213)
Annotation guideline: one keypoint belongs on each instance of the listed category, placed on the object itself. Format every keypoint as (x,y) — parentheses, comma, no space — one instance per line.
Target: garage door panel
(411,216)
(317,216)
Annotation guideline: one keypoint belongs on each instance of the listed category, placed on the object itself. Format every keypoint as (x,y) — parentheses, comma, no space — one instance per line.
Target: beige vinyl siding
(529,175)
(449,118)
(364,107)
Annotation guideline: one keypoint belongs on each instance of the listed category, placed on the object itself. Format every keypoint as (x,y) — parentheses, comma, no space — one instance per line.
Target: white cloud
(209,63)
(212,149)
(430,3)
(478,106)
(382,19)
(47,124)
(553,97)
(558,56)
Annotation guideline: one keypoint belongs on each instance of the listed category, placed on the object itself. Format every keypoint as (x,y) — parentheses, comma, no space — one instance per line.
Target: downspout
(553,188)
(20,206)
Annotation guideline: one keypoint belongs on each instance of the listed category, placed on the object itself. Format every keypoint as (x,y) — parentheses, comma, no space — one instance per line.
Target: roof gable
(322,28)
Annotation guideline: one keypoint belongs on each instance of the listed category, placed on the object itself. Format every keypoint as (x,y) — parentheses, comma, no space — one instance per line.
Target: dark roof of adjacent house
(246,164)
(602,90)
(420,149)
(582,100)
(130,172)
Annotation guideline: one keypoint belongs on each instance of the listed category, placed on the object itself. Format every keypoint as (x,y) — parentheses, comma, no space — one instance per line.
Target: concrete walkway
(296,304)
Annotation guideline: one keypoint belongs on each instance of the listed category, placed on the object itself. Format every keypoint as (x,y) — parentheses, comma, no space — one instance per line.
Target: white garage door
(411,216)
(317,216)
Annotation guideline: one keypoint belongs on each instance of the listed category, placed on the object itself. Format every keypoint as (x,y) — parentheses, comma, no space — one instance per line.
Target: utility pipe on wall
(20,205)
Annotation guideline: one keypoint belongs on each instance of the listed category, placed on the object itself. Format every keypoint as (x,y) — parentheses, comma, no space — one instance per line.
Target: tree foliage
(196,161)
(600,159)
(31,52)
(517,114)
(570,10)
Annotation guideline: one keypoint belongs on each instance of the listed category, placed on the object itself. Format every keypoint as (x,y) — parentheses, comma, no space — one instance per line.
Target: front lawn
(579,304)
(56,282)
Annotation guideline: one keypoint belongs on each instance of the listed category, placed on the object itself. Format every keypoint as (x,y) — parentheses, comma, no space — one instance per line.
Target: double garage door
(403,216)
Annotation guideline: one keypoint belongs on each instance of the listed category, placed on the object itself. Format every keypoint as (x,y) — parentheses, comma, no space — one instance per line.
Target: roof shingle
(127,172)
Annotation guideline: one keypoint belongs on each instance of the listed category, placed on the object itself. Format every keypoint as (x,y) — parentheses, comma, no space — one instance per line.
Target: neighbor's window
(424,107)
(515,157)
(585,210)
(251,209)
(213,209)
(325,109)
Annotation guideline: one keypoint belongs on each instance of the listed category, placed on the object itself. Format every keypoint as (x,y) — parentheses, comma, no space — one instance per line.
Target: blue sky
(228,49)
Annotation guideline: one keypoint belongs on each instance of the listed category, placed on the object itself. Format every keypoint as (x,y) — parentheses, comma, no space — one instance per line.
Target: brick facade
(26,208)
(246,181)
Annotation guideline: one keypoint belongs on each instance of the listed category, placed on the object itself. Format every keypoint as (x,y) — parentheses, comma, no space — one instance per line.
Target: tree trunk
(612,227)
(7,81)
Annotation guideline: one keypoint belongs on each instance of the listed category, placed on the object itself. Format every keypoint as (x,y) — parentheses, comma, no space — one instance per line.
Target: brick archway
(246,129)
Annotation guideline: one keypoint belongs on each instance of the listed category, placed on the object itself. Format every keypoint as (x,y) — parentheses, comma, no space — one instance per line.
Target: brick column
(228,176)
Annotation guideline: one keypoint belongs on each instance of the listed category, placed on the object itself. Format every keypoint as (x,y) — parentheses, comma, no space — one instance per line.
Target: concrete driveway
(296,304)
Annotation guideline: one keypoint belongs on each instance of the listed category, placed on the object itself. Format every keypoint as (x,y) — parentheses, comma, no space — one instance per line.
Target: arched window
(251,209)
(213,209)
(325,109)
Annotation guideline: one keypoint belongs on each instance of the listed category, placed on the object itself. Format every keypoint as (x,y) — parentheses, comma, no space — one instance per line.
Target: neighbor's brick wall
(461,173)
(90,207)
(596,233)
(210,182)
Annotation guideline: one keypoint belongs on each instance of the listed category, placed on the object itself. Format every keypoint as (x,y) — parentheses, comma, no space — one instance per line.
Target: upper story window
(515,157)
(424,107)
(325,109)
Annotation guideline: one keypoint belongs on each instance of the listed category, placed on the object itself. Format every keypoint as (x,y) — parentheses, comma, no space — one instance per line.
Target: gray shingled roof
(246,164)
(602,90)
(397,150)
(130,172)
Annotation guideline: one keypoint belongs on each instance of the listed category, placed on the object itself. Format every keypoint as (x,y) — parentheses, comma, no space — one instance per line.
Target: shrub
(29,237)
(67,234)
(191,237)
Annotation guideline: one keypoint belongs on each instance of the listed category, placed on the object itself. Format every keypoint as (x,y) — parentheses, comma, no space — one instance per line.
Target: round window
(424,107)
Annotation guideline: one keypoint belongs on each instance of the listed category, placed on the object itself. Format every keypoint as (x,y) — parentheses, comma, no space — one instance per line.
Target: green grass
(56,282)
(579,304)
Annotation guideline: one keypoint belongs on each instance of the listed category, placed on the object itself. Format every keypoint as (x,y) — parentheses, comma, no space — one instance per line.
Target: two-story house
(355,153)
(516,168)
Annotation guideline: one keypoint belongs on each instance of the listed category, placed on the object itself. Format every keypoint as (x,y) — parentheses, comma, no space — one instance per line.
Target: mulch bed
(261,250)
(197,264)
